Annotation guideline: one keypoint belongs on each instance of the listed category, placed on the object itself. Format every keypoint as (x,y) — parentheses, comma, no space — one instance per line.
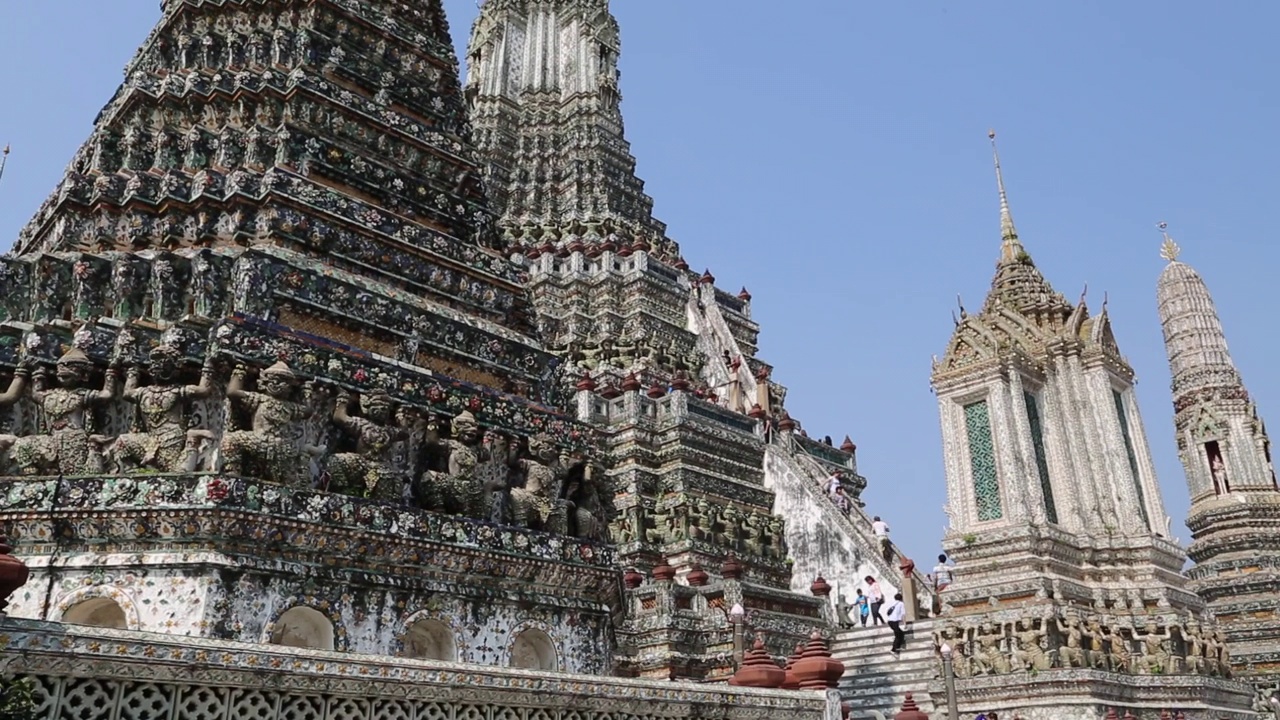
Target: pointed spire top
(1010,247)
(1169,249)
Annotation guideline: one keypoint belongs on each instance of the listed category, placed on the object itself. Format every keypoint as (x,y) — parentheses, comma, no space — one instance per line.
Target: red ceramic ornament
(816,669)
(910,711)
(791,683)
(13,573)
(630,383)
(758,669)
(663,571)
(820,587)
(632,578)
(697,577)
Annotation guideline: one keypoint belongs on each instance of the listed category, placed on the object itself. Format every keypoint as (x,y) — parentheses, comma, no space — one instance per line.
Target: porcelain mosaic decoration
(313,346)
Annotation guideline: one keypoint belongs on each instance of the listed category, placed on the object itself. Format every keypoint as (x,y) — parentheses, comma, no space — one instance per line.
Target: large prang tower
(1066,576)
(1226,454)
(270,380)
(712,475)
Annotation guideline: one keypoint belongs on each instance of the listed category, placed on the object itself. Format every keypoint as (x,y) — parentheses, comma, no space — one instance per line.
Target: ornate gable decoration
(1207,426)
(1102,335)
(972,342)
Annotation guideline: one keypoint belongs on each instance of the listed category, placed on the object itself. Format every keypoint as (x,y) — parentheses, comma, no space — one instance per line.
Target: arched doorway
(533,650)
(97,612)
(303,627)
(430,640)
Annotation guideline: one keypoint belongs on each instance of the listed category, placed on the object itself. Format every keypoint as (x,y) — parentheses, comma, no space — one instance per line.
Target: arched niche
(303,627)
(97,612)
(430,640)
(533,650)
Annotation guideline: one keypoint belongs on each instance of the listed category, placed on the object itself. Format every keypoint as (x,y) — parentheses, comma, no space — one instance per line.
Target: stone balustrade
(97,674)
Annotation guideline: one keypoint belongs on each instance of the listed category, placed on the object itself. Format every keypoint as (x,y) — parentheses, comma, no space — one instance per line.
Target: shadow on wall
(308,628)
(430,640)
(303,627)
(97,612)
(533,650)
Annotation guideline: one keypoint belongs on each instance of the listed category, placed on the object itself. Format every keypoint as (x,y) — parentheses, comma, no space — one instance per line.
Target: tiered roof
(1023,315)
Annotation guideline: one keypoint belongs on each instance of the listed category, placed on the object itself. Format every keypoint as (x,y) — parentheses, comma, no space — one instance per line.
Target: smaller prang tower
(1051,487)
(1068,588)
(1235,504)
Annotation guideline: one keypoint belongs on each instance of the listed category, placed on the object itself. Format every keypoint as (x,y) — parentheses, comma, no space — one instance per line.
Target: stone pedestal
(909,598)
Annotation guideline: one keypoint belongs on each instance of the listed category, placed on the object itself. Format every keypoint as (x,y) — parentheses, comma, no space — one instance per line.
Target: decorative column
(949,679)
(822,589)
(909,597)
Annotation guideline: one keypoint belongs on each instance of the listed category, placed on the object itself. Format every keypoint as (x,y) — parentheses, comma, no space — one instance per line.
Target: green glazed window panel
(982,459)
(1133,457)
(1042,463)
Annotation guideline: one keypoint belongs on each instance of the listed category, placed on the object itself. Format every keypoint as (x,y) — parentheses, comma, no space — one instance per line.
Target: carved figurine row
(282,432)
(699,519)
(1062,640)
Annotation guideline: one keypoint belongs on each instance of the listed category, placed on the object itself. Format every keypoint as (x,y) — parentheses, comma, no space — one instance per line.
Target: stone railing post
(822,589)
(909,590)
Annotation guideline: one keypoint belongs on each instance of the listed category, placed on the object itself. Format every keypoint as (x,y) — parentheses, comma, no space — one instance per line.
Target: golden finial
(1169,249)
(1010,247)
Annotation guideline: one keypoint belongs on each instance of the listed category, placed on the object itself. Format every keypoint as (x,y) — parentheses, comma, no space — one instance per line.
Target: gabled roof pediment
(1098,333)
(973,341)
(1208,425)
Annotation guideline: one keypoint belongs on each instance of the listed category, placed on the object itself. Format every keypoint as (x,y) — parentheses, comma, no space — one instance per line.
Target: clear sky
(832,157)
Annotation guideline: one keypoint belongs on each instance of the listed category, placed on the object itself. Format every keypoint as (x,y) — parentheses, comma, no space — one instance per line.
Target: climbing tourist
(842,500)
(941,573)
(864,607)
(881,529)
(897,612)
(877,600)
(833,483)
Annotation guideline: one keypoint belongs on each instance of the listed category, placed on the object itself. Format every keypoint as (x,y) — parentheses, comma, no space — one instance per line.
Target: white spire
(1010,247)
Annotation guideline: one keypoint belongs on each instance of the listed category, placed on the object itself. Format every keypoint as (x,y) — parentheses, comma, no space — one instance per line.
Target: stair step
(876,679)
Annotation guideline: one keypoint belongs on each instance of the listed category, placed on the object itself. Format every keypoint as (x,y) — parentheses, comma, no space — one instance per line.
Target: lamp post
(949,677)
(736,616)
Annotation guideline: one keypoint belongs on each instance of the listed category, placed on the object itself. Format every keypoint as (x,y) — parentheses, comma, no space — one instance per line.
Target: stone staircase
(876,681)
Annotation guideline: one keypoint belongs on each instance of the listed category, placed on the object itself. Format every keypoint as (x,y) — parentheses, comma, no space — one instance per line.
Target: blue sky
(832,157)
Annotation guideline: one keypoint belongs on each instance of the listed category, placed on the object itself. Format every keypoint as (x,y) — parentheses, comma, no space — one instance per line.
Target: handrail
(924,588)
(709,324)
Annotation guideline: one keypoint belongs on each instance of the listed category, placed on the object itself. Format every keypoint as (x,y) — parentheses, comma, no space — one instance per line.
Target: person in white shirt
(877,600)
(897,612)
(880,528)
(941,573)
(841,500)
